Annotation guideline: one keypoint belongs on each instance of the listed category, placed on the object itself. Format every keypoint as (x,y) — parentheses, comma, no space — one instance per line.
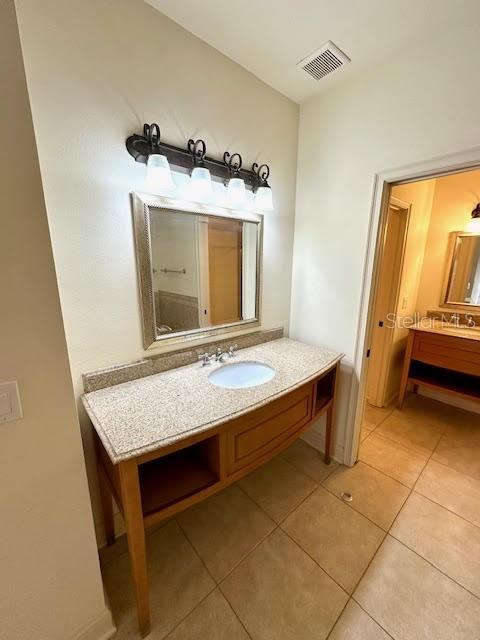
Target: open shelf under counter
(452,382)
(324,392)
(176,476)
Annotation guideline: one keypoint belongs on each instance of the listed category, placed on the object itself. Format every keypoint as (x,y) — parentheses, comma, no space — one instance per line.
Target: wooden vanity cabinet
(157,485)
(441,361)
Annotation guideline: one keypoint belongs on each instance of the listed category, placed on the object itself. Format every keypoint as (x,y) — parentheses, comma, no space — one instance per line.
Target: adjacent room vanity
(170,440)
(443,357)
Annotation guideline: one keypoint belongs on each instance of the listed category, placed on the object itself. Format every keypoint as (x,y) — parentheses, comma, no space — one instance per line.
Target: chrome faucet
(221,355)
(218,356)
(206,358)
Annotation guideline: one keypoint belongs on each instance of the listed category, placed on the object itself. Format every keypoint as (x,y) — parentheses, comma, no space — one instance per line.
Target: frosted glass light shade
(473,226)
(236,194)
(200,186)
(263,199)
(159,176)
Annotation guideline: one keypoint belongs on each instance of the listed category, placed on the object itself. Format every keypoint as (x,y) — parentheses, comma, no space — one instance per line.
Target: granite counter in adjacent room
(154,411)
(457,331)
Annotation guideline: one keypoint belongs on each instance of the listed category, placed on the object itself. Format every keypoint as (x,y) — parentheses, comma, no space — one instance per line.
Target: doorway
(416,221)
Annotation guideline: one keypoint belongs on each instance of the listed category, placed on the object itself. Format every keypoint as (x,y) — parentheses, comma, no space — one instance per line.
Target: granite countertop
(437,326)
(152,412)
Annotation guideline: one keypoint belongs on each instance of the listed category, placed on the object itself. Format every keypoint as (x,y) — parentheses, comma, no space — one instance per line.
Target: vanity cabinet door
(260,433)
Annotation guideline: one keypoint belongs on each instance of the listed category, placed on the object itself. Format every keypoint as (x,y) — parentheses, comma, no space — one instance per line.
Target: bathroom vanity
(170,440)
(444,357)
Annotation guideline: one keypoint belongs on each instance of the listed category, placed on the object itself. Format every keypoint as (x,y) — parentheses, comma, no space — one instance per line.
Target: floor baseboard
(102,628)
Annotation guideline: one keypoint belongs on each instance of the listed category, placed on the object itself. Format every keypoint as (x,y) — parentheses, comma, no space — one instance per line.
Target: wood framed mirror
(461,287)
(199,269)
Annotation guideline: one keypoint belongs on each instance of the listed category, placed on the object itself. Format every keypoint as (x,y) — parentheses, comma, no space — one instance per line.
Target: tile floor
(280,556)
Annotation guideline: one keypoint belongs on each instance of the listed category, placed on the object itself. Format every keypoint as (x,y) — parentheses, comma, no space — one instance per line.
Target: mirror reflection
(204,270)
(464,281)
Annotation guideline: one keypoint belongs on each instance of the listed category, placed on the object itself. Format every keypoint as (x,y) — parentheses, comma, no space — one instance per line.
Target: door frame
(382,184)
(384,360)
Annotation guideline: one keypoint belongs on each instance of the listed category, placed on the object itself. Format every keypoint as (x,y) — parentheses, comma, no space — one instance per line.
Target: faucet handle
(205,358)
(231,350)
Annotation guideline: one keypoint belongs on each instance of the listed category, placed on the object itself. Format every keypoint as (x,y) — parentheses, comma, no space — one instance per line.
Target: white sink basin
(241,375)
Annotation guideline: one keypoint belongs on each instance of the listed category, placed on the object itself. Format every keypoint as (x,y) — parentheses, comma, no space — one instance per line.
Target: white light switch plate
(10,407)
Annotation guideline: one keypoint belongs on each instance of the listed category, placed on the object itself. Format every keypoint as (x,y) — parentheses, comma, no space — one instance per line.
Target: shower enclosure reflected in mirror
(462,281)
(199,269)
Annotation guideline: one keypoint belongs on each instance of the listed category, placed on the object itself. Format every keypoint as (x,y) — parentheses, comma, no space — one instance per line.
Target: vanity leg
(328,433)
(406,368)
(133,515)
(107,505)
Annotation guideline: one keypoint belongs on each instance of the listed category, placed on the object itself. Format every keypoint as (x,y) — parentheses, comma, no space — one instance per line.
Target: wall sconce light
(200,185)
(474,224)
(158,156)
(263,193)
(236,194)
(159,177)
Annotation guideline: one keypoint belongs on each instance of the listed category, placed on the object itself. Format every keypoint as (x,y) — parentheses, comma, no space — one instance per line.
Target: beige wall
(97,70)
(50,585)
(398,113)
(455,197)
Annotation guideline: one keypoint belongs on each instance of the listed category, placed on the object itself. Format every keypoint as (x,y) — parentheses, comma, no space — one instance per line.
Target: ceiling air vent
(323,61)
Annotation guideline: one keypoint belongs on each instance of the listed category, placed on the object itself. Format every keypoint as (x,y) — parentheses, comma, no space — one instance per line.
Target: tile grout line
(262,539)
(447,466)
(297,544)
(418,493)
(352,599)
(400,445)
(279,526)
(350,505)
(338,618)
(235,613)
(217,584)
(434,566)
(385,474)
(350,595)
(333,467)
(387,534)
(377,550)
(371,618)
(410,449)
(200,602)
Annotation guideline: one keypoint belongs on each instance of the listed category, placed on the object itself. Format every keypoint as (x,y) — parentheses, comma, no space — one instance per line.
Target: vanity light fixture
(474,223)
(193,158)
(236,194)
(263,193)
(159,177)
(200,186)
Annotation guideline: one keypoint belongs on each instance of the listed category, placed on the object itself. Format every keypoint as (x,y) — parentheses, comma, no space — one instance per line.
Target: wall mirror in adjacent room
(199,269)
(462,280)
